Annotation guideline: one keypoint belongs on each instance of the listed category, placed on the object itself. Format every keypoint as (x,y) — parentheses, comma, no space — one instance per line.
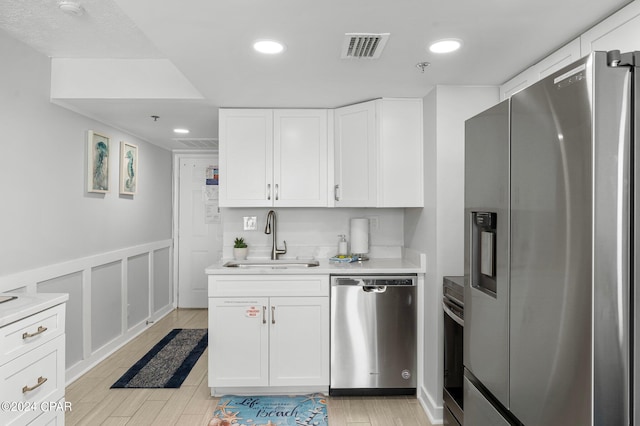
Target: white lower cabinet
(299,341)
(270,342)
(238,342)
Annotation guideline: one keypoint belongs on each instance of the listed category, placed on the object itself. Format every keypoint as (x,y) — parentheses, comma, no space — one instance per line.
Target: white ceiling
(209,41)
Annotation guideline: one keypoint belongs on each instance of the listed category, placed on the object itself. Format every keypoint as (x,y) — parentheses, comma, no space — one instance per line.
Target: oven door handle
(446,306)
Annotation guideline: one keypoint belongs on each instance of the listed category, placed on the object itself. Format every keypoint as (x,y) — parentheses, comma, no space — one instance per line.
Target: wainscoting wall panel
(162,281)
(106,304)
(138,290)
(113,297)
(72,285)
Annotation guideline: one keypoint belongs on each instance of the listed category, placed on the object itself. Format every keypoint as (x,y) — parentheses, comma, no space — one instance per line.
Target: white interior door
(199,230)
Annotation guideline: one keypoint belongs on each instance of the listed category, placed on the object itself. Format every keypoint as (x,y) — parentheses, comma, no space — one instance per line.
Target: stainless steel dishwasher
(373,335)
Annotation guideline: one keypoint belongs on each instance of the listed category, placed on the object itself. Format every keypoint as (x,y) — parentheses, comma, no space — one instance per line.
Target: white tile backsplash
(312,232)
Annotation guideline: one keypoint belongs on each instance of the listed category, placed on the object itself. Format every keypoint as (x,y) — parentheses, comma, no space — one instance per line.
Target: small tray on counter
(343,258)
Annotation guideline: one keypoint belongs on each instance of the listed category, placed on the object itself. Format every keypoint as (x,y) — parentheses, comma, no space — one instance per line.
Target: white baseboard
(433,410)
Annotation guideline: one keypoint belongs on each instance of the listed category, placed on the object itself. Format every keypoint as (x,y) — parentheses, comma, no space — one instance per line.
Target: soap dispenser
(342,244)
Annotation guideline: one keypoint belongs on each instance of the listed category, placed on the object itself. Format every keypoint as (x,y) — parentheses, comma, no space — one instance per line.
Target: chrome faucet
(270,228)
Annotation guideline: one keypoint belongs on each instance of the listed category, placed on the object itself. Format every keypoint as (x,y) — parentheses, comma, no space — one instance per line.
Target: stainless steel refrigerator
(550,261)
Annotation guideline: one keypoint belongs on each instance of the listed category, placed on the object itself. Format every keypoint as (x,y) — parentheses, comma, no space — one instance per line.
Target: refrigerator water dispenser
(483,251)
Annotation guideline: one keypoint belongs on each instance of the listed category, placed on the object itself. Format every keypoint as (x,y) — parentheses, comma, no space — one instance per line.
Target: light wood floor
(94,403)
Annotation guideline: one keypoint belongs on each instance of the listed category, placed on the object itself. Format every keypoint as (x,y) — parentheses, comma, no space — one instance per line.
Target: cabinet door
(300,158)
(525,79)
(620,31)
(400,153)
(299,336)
(355,155)
(238,342)
(246,157)
(552,63)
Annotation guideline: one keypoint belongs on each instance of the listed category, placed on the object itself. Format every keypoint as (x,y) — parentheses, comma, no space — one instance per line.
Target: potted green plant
(240,249)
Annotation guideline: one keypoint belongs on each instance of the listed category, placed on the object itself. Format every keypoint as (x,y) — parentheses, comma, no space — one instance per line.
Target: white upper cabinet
(552,63)
(355,155)
(246,157)
(300,158)
(273,157)
(400,153)
(378,156)
(621,31)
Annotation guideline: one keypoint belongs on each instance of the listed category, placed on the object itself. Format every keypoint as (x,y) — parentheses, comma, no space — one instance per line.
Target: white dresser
(32,359)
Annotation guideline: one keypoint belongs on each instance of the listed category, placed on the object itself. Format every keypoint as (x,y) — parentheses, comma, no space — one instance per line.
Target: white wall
(438,229)
(46,215)
(105,250)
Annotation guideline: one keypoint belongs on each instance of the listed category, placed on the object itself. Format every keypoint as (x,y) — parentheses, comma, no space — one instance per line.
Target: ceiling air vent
(202,143)
(367,46)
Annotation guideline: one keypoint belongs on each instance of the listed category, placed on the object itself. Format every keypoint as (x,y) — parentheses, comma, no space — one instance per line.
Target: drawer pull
(41,381)
(41,330)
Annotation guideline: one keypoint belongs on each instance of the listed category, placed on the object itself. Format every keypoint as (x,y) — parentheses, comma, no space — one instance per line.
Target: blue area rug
(303,410)
(168,363)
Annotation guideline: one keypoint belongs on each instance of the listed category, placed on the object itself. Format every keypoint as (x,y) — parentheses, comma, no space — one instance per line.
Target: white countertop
(28,304)
(412,263)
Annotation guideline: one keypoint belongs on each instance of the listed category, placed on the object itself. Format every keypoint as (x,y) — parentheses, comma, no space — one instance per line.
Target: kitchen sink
(275,264)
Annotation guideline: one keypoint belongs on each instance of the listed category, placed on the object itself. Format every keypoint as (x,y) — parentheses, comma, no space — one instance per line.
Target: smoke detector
(71,8)
(363,45)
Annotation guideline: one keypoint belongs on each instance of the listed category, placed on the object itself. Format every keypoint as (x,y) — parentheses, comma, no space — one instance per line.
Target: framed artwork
(128,168)
(98,162)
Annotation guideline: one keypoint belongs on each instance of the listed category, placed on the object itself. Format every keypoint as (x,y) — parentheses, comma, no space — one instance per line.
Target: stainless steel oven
(453,307)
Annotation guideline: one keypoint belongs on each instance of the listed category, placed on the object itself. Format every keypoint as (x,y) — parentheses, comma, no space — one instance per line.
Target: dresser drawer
(35,378)
(21,336)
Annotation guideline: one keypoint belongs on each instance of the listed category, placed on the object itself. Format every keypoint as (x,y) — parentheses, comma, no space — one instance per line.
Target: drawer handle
(273,315)
(41,381)
(41,330)
(264,314)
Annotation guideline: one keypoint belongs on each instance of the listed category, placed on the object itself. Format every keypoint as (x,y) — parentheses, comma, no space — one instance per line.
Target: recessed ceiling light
(181,131)
(446,45)
(269,47)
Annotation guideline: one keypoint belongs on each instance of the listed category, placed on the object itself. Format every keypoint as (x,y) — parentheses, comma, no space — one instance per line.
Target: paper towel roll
(359,235)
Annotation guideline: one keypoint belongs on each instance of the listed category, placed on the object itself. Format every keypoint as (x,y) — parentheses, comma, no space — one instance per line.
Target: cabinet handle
(41,330)
(273,315)
(335,193)
(277,191)
(41,381)
(268,191)
(264,314)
